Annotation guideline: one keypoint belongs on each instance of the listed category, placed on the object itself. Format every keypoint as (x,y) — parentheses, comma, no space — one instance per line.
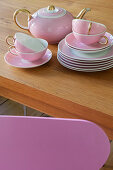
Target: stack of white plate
(87,58)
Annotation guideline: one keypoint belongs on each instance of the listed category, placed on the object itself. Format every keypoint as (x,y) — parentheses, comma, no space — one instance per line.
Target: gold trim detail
(51,7)
(9,37)
(15,17)
(89,27)
(105,41)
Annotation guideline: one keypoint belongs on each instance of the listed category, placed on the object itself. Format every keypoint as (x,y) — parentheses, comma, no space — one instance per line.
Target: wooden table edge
(53,105)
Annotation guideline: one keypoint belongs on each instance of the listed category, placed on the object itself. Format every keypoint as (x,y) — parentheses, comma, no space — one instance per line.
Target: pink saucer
(74,54)
(81,68)
(98,63)
(17,61)
(82,65)
(73,43)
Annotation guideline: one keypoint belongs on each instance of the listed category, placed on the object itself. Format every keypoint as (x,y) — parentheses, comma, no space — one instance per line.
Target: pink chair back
(33,143)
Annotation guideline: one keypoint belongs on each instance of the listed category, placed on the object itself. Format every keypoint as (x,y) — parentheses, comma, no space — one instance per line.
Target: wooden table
(52,88)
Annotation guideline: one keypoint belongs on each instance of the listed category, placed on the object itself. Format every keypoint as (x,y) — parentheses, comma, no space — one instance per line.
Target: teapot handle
(15,17)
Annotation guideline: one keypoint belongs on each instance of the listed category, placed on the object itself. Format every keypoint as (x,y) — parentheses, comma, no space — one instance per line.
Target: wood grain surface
(52,88)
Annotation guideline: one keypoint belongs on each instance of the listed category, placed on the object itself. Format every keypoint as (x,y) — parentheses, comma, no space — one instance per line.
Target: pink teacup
(29,56)
(26,44)
(89,32)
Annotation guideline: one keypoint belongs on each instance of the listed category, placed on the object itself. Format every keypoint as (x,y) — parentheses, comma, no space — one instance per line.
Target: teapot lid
(50,12)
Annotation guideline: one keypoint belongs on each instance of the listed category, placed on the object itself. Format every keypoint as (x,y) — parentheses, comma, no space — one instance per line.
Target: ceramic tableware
(83,69)
(89,32)
(27,44)
(71,41)
(77,55)
(50,23)
(84,63)
(17,61)
(28,56)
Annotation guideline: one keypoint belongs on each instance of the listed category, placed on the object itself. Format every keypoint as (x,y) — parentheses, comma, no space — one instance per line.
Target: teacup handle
(15,17)
(10,48)
(104,43)
(10,37)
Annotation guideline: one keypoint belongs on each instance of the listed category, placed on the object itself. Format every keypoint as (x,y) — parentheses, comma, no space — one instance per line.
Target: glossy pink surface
(44,12)
(17,61)
(53,29)
(33,143)
(81,27)
(31,56)
(88,39)
(80,31)
(81,56)
(73,43)
(26,42)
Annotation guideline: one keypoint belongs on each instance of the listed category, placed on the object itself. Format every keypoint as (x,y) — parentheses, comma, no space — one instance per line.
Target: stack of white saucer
(79,56)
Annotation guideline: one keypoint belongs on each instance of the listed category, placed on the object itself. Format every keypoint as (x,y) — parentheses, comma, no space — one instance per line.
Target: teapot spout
(82,13)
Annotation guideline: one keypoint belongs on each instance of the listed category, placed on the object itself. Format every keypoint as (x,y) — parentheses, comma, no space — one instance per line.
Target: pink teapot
(51,23)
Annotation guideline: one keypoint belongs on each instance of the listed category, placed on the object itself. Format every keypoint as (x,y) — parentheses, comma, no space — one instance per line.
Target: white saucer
(89,64)
(17,61)
(83,69)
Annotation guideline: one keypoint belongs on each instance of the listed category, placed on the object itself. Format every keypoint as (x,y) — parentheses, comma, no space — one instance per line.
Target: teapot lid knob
(51,7)
(50,12)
